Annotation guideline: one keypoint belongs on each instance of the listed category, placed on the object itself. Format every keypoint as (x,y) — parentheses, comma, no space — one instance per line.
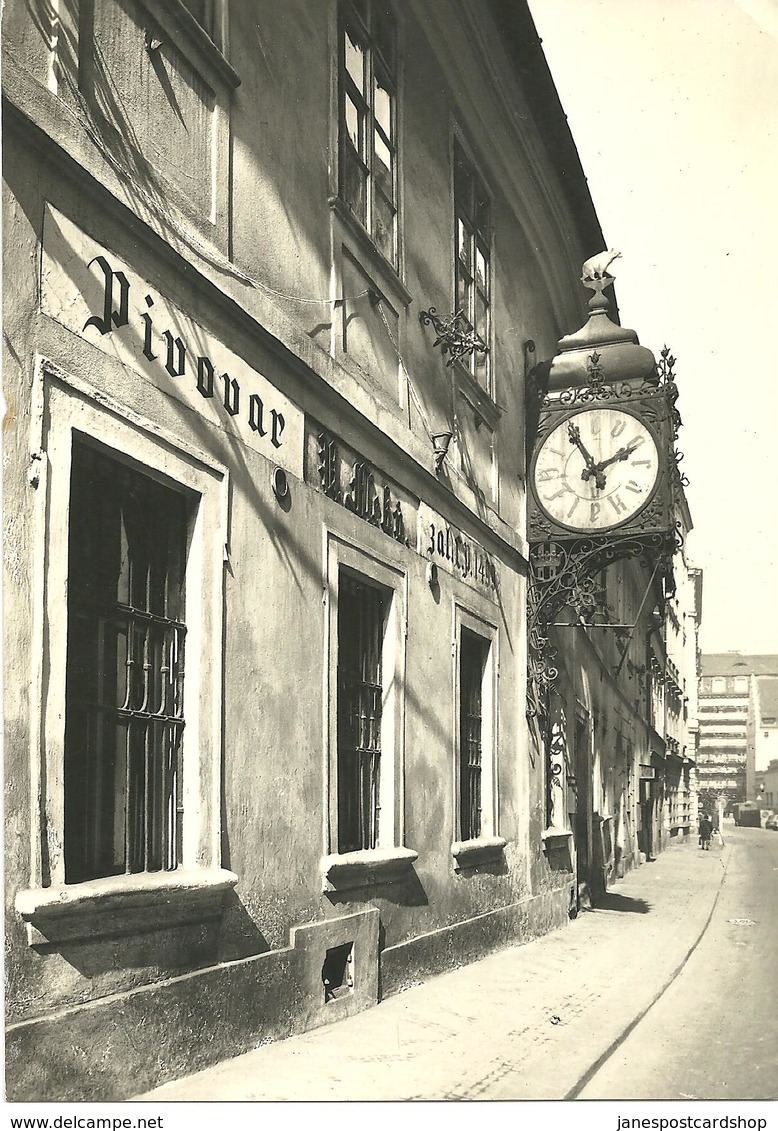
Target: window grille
(472,663)
(473,258)
(361,623)
(125,671)
(368,118)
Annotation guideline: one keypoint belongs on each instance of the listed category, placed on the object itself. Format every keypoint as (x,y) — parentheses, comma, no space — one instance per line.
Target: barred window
(368,118)
(472,665)
(362,610)
(473,258)
(125,670)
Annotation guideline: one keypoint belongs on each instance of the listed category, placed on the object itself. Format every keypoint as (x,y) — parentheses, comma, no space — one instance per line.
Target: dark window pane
(353,124)
(463,291)
(382,164)
(473,653)
(355,183)
(383,225)
(124,707)
(481,213)
(481,322)
(361,619)
(482,268)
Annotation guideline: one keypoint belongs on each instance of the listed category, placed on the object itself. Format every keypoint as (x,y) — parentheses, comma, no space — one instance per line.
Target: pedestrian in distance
(706,830)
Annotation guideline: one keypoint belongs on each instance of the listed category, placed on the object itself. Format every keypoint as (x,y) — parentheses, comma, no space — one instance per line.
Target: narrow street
(535,1021)
(714,1033)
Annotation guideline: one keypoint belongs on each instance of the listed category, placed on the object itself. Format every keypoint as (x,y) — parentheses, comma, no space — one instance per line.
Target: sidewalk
(529,1022)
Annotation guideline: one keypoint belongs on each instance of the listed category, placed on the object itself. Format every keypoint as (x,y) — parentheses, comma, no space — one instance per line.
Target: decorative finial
(595,273)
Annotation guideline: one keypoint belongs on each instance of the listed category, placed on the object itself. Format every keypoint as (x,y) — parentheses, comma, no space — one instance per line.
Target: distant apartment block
(737,723)
(763,735)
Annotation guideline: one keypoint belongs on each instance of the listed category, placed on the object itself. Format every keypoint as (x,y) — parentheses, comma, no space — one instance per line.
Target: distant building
(762,738)
(737,722)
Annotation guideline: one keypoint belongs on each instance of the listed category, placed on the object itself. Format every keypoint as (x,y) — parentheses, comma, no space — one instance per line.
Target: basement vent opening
(337,973)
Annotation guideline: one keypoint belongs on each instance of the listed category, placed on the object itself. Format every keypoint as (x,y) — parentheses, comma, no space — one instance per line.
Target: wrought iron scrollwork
(456,337)
(563,574)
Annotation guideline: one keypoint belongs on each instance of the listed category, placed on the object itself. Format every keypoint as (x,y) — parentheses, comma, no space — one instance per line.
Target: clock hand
(591,469)
(621,454)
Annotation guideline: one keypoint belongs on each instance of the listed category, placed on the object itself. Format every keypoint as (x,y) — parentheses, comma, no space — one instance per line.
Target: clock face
(596,469)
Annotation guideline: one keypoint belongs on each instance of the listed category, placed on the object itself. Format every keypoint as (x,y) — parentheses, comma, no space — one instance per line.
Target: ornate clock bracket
(563,574)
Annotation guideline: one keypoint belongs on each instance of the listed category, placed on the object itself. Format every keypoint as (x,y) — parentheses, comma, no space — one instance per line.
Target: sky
(673,105)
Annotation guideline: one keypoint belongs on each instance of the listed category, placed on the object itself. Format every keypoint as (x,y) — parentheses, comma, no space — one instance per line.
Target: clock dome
(601,351)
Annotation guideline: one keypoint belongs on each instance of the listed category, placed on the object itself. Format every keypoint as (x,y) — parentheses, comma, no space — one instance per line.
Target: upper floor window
(125,671)
(368,118)
(473,258)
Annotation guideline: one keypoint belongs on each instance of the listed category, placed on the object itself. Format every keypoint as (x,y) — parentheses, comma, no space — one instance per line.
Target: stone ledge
(342,871)
(481,850)
(119,905)
(556,837)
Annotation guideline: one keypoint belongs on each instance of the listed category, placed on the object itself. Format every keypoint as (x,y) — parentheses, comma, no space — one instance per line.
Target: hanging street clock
(603,476)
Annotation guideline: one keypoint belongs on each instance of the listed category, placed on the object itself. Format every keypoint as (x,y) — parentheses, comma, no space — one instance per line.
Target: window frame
(390,858)
(67,410)
(368,122)
(468,850)
(461,154)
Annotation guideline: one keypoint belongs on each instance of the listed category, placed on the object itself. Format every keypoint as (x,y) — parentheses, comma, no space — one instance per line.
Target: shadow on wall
(408,892)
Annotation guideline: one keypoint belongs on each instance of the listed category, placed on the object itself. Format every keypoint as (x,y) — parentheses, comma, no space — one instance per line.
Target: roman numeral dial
(596,469)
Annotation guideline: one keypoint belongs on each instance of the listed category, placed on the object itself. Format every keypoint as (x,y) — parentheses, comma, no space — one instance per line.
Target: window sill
(482,850)
(120,905)
(554,838)
(368,254)
(342,871)
(184,31)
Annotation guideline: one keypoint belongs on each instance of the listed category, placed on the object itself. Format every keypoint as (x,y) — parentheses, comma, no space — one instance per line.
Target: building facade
(736,694)
(762,736)
(266,746)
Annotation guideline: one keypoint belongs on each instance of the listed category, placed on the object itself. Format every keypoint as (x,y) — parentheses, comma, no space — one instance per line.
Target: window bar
(128,797)
(147,813)
(94,790)
(470,740)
